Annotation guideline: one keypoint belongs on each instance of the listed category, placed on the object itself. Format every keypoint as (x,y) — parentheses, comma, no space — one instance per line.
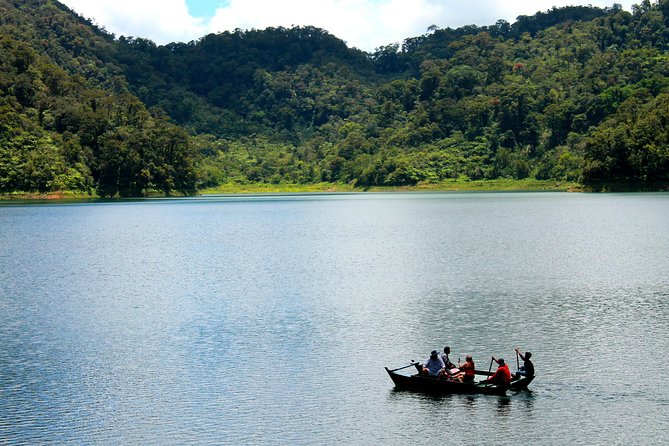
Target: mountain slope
(572,94)
(67,119)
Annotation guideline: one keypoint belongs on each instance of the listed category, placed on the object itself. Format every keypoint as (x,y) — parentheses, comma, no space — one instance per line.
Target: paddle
(405,367)
(489,370)
(517,360)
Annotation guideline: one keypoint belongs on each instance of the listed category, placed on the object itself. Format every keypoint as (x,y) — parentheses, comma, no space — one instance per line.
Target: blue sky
(365,24)
(205,8)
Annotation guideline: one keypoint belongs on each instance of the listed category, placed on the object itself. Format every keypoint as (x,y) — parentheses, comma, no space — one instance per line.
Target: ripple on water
(269,321)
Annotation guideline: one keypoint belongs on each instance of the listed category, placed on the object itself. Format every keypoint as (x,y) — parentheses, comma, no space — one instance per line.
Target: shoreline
(498,185)
(449,186)
(503,185)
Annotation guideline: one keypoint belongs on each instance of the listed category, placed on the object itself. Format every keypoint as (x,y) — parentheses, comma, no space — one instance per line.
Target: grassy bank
(453,185)
(56,195)
(263,188)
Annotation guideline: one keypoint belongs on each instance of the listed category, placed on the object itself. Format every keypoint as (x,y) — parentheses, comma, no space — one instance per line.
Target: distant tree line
(570,94)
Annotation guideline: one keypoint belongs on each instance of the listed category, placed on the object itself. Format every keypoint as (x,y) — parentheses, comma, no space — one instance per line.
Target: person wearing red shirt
(468,368)
(502,375)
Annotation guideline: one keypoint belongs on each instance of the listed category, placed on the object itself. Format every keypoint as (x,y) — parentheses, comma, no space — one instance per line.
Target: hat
(434,353)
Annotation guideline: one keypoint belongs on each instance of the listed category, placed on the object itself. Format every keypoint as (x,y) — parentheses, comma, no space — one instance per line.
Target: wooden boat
(521,383)
(428,384)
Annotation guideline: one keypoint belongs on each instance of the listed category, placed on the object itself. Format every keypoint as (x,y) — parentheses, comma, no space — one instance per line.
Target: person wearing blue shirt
(434,366)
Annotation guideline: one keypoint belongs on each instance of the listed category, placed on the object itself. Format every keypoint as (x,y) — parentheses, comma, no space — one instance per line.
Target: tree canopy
(570,94)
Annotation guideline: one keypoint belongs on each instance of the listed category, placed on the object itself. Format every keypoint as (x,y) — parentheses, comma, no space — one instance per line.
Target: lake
(268,320)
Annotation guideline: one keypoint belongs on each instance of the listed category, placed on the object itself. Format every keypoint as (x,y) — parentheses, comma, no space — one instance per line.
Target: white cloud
(361,23)
(365,24)
(162,21)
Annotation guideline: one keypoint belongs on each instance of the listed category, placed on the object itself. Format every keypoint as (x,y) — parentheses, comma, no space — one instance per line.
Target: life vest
(505,373)
(469,369)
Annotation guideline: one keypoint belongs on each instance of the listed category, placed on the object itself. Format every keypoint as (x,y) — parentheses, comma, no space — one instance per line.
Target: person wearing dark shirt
(527,369)
(447,361)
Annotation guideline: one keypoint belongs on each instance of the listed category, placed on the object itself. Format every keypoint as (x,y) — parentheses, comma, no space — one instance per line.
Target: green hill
(575,94)
(67,118)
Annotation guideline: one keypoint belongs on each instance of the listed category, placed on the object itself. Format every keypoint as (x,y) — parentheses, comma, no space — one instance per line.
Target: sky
(364,24)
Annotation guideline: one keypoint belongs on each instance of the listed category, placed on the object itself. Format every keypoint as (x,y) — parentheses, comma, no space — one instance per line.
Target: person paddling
(502,375)
(527,369)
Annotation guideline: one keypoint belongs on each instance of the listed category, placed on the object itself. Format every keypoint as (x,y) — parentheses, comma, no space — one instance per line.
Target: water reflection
(525,403)
(470,402)
(503,406)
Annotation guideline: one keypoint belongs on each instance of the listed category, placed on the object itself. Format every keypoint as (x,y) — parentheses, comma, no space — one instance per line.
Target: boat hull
(428,384)
(522,383)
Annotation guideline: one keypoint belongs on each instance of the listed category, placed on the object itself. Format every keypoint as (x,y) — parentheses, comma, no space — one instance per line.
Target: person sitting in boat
(502,375)
(527,369)
(468,369)
(451,371)
(433,366)
(447,361)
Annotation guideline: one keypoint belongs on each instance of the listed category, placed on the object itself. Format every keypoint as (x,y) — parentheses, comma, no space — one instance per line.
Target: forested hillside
(67,118)
(570,94)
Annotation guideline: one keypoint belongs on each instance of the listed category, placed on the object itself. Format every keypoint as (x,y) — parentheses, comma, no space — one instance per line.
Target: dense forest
(577,94)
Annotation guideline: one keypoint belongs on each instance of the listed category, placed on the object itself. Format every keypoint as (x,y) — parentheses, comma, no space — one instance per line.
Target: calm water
(268,320)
